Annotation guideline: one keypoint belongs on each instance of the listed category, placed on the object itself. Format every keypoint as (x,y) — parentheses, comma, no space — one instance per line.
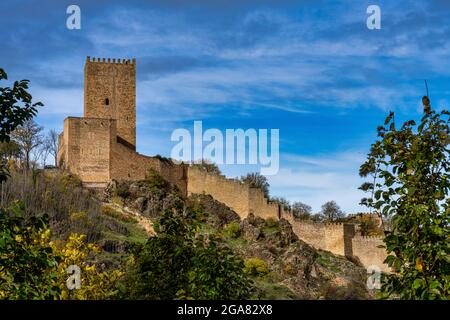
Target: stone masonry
(101,146)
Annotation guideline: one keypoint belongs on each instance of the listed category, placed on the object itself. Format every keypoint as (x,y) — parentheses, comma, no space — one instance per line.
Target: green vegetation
(257,180)
(271,227)
(256,267)
(180,263)
(34,267)
(231,230)
(272,291)
(16,107)
(26,263)
(409,167)
(155,181)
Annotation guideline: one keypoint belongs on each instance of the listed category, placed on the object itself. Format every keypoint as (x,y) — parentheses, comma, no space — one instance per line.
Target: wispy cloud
(310,68)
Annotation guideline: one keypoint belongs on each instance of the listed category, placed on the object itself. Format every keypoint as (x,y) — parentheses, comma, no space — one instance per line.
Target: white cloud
(317,179)
(59,101)
(314,179)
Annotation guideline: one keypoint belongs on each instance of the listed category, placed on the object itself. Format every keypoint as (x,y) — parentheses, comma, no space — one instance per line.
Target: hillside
(120,219)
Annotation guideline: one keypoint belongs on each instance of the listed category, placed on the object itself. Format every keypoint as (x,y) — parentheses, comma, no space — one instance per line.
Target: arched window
(107,101)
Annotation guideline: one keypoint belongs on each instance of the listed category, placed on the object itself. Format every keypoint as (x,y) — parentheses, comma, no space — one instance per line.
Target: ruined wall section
(367,250)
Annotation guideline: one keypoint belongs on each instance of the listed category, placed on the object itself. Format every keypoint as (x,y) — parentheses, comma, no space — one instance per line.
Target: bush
(122,190)
(256,267)
(271,227)
(155,181)
(232,229)
(26,258)
(271,222)
(178,264)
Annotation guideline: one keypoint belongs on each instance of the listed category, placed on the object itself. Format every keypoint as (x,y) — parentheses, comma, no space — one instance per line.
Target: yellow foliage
(256,267)
(94,284)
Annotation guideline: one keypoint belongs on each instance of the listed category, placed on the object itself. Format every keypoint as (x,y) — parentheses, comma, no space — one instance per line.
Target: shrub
(271,222)
(117,200)
(155,181)
(232,229)
(26,258)
(271,227)
(176,264)
(94,283)
(256,267)
(122,190)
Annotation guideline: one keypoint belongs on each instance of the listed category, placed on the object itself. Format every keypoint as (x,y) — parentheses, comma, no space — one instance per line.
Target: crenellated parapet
(109,60)
(370,251)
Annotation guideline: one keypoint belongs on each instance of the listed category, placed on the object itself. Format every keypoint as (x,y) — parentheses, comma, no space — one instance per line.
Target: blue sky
(309,68)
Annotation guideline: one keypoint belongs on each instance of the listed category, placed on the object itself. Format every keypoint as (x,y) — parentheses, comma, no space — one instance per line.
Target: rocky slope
(283,266)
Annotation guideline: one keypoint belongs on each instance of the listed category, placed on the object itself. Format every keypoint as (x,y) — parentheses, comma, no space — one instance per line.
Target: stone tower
(110,93)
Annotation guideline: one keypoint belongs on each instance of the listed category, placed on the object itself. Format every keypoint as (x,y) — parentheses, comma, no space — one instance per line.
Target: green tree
(9,150)
(207,165)
(216,273)
(331,211)
(257,180)
(16,107)
(301,210)
(284,203)
(410,182)
(27,263)
(180,263)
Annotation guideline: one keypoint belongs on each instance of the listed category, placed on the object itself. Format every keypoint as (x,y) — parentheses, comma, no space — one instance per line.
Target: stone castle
(101,146)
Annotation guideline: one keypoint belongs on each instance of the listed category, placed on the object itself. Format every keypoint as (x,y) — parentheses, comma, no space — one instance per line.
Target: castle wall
(127,164)
(87,144)
(232,193)
(110,93)
(101,147)
(334,238)
(260,206)
(366,250)
(308,231)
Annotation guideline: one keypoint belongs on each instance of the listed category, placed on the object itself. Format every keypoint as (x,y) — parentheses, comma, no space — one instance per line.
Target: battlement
(110,93)
(334,225)
(368,238)
(109,60)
